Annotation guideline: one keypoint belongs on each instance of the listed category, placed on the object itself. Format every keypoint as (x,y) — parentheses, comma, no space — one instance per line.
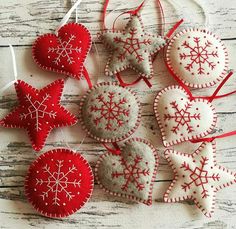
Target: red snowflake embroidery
(198,55)
(131,174)
(132,45)
(182,117)
(199,177)
(111,112)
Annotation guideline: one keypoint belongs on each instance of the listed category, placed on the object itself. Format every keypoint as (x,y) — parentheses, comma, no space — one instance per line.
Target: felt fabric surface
(109,112)
(197,177)
(39,111)
(65,52)
(130,174)
(181,119)
(132,48)
(197,57)
(59,183)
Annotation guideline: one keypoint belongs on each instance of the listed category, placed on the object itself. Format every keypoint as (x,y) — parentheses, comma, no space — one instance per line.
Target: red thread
(182,117)
(115,151)
(132,173)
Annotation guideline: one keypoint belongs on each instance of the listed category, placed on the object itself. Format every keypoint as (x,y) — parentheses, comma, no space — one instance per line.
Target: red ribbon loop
(123,84)
(210,139)
(86,76)
(115,151)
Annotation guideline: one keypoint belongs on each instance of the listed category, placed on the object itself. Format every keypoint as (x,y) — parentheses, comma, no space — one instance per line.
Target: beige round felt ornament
(197,57)
(109,112)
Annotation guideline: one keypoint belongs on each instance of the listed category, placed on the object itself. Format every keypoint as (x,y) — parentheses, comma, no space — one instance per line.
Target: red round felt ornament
(59,183)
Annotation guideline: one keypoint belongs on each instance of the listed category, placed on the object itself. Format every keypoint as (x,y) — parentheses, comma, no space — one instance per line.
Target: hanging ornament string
(210,139)
(180,8)
(62,23)
(14,71)
(132,13)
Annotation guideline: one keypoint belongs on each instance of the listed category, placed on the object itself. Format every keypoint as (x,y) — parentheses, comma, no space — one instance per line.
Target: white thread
(68,15)
(14,70)
(179,8)
(67,144)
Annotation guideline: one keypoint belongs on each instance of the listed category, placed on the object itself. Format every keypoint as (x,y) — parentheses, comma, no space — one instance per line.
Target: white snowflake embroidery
(58,182)
(37,111)
(199,55)
(64,50)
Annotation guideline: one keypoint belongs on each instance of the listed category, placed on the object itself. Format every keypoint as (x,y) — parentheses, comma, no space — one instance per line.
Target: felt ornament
(59,183)
(65,51)
(197,177)
(109,112)
(197,57)
(132,48)
(39,111)
(183,117)
(131,173)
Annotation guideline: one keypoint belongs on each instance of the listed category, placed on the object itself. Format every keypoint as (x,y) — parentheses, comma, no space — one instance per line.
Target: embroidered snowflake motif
(37,111)
(110,112)
(199,55)
(132,45)
(199,177)
(64,50)
(131,174)
(58,183)
(182,117)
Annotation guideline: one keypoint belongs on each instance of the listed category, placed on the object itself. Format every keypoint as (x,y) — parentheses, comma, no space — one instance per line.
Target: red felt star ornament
(39,111)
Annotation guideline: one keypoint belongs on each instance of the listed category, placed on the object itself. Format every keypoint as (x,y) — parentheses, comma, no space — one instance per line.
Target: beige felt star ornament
(197,177)
(132,48)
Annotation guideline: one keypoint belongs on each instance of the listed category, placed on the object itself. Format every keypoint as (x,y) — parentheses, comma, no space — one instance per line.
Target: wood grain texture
(20,23)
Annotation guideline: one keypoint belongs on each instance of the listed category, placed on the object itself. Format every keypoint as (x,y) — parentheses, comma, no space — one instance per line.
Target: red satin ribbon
(115,151)
(86,76)
(210,139)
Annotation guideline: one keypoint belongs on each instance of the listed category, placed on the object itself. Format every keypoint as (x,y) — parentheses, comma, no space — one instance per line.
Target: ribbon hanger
(210,139)
(14,70)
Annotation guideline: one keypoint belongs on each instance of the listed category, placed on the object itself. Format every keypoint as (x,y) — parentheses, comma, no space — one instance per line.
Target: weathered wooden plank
(22,22)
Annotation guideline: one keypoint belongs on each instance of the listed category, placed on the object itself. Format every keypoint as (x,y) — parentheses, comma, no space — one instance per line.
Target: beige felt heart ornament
(130,174)
(181,118)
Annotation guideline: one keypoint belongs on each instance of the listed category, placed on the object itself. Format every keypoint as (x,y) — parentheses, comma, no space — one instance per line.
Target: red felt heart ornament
(65,52)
